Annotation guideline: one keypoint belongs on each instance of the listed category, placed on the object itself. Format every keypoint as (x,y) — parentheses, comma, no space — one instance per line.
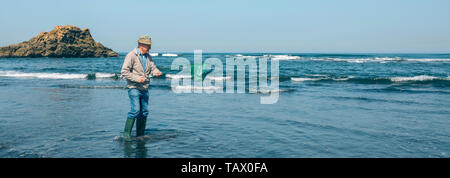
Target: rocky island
(62,41)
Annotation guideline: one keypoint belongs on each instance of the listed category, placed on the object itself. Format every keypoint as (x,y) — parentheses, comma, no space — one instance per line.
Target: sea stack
(62,41)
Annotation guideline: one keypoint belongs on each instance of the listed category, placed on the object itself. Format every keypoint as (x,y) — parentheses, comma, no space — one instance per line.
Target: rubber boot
(127,131)
(140,126)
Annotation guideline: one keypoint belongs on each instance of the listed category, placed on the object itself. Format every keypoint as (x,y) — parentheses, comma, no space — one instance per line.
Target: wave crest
(298,79)
(169,55)
(19,74)
(416,78)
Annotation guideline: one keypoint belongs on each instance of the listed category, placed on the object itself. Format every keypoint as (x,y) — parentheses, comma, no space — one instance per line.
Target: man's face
(145,48)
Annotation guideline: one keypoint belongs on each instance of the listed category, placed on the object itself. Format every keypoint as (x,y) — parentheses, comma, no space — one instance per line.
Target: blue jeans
(138,103)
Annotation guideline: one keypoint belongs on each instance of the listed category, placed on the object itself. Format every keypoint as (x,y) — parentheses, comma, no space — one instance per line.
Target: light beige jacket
(132,70)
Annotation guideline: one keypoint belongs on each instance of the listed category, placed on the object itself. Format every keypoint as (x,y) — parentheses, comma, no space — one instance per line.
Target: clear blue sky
(415,26)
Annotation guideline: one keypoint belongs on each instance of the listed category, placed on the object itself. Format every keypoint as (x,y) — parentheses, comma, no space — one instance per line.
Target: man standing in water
(137,68)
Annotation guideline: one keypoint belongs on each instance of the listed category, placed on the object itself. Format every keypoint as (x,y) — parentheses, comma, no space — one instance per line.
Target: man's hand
(158,74)
(141,80)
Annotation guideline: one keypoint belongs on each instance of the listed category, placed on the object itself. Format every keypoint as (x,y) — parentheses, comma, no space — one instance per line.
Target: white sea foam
(154,54)
(340,59)
(429,60)
(376,59)
(317,75)
(242,56)
(19,74)
(175,76)
(387,59)
(297,79)
(283,57)
(104,75)
(170,55)
(415,78)
(393,79)
(42,75)
(343,59)
(359,60)
(343,79)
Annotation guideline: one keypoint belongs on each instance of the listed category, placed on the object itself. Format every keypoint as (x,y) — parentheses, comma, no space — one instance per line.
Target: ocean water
(330,105)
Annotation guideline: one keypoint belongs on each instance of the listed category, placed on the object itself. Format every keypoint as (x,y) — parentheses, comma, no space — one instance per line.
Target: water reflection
(135,149)
(138,147)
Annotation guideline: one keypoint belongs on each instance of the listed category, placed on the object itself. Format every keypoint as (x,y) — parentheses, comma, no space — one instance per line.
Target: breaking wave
(375,59)
(169,55)
(349,59)
(417,78)
(19,74)
(283,57)
(374,80)
(296,79)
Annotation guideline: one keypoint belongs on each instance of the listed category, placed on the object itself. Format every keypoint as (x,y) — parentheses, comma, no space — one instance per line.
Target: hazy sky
(241,26)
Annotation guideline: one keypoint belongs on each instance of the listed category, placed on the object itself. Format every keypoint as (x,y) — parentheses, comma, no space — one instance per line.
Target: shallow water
(331,105)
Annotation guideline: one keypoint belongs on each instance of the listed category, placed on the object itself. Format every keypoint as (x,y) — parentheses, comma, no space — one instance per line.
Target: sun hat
(145,39)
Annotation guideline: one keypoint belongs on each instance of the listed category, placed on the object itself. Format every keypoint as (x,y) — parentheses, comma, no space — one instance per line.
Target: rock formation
(62,41)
